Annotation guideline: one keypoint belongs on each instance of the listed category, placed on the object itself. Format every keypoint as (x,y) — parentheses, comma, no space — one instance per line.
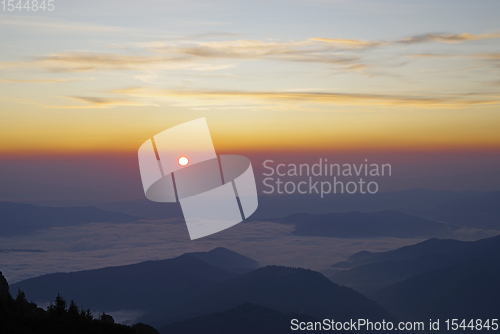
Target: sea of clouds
(99,245)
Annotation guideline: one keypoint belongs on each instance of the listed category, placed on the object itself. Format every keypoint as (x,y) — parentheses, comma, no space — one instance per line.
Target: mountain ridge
(17,219)
(284,289)
(378,270)
(357,224)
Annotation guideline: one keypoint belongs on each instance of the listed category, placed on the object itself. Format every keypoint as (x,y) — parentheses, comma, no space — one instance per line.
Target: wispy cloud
(491,57)
(58,25)
(447,38)
(487,55)
(242,48)
(349,43)
(188,55)
(98,62)
(425,38)
(37,81)
(84,61)
(101,103)
(213,97)
(307,51)
(430,55)
(180,59)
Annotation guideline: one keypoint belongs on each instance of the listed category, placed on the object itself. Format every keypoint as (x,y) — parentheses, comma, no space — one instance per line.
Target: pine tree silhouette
(58,308)
(73,311)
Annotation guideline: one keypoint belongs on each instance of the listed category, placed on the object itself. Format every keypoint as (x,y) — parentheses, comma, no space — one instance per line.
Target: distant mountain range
(223,258)
(277,206)
(185,287)
(467,290)
(147,286)
(432,279)
(288,290)
(18,218)
(366,224)
(145,208)
(225,292)
(480,212)
(428,247)
(405,214)
(243,319)
(374,271)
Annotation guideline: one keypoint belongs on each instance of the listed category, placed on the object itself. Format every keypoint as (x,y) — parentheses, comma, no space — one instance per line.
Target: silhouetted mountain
(285,205)
(361,224)
(432,246)
(147,286)
(370,278)
(25,218)
(145,208)
(479,212)
(141,328)
(186,286)
(288,290)
(226,259)
(243,319)
(384,269)
(468,290)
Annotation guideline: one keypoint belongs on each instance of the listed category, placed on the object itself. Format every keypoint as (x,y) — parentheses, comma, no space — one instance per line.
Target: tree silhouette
(58,308)
(73,311)
(21,297)
(107,318)
(20,316)
(86,314)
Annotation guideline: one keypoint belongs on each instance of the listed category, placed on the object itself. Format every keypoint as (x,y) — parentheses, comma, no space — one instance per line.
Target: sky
(412,83)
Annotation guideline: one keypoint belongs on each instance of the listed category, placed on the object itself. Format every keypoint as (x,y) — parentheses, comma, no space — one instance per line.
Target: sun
(183,161)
